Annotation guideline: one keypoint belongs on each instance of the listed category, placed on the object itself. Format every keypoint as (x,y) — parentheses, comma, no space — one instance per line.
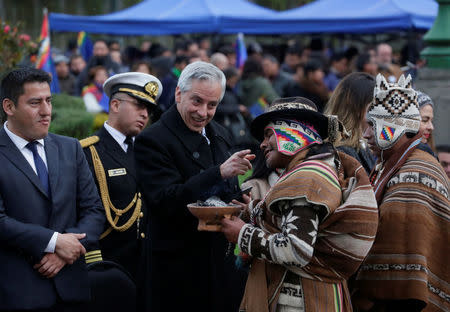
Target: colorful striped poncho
(410,259)
(345,233)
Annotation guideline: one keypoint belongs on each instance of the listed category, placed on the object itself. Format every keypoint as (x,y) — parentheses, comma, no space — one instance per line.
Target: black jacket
(176,166)
(120,247)
(29,217)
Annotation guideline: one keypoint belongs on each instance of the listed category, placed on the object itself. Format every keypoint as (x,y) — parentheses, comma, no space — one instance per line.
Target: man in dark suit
(110,154)
(182,158)
(50,211)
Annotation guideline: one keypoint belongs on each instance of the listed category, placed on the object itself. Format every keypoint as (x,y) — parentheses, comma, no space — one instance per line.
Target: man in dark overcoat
(182,158)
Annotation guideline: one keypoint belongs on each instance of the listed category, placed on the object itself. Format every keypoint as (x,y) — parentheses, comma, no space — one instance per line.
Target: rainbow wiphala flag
(259,107)
(85,46)
(44,57)
(241,51)
(387,133)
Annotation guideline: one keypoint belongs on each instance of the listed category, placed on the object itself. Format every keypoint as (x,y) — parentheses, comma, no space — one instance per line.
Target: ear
(114,105)
(8,107)
(177,95)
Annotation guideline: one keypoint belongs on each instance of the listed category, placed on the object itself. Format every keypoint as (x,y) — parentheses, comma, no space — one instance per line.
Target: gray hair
(217,58)
(201,71)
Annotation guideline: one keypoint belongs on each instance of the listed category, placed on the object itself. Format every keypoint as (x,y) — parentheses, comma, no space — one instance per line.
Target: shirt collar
(204,134)
(116,134)
(17,140)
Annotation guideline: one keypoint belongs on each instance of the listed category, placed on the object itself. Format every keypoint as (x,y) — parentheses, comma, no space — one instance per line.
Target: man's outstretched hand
(237,164)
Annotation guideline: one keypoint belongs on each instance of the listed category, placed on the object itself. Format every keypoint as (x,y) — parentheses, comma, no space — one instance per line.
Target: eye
(268,133)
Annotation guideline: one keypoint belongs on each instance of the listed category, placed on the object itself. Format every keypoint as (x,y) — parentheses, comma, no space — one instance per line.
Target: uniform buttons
(143,235)
(141,215)
(196,155)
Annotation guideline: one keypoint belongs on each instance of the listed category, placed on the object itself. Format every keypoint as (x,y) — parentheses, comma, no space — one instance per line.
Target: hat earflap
(293,136)
(336,129)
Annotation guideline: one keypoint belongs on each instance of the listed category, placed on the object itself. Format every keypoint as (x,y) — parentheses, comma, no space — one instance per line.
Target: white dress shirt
(204,134)
(118,136)
(21,143)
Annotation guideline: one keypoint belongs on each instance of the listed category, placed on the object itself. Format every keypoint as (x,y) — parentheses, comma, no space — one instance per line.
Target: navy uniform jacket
(176,166)
(120,247)
(28,219)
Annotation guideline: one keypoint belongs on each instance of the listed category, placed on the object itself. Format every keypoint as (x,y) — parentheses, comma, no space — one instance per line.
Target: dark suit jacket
(28,219)
(121,247)
(176,166)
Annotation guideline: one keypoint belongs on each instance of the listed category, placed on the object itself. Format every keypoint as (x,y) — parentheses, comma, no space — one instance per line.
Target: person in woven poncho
(408,267)
(314,227)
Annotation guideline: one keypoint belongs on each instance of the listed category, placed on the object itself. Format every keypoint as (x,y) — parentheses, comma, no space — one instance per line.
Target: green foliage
(242,178)
(69,117)
(67,102)
(13,46)
(281,5)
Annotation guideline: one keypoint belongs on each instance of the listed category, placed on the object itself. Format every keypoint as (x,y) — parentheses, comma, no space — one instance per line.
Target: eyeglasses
(129,101)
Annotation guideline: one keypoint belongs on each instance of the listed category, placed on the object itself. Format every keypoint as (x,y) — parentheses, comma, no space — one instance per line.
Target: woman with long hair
(349,102)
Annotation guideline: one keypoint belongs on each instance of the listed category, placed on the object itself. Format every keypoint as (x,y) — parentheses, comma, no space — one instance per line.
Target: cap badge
(152,88)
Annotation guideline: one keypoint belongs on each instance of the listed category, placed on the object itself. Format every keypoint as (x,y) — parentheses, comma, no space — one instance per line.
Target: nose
(366,134)
(46,108)
(202,111)
(263,144)
(144,113)
(430,126)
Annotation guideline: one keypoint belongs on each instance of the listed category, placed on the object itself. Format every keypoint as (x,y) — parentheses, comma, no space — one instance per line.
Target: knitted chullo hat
(424,99)
(296,120)
(393,111)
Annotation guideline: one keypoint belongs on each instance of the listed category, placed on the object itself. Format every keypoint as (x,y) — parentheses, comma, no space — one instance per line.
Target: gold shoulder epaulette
(89,141)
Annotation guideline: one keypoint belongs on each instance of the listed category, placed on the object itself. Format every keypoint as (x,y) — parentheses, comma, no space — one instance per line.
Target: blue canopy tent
(358,16)
(169,17)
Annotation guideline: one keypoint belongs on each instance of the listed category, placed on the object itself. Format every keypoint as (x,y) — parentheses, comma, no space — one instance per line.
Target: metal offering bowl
(209,216)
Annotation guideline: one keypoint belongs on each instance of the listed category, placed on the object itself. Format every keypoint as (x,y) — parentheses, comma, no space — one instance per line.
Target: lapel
(10,150)
(220,146)
(115,152)
(194,143)
(52,154)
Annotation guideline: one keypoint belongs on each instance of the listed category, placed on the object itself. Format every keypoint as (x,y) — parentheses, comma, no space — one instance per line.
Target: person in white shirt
(110,154)
(50,212)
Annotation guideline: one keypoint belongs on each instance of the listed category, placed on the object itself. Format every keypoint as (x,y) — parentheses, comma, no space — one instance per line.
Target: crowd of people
(349,206)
